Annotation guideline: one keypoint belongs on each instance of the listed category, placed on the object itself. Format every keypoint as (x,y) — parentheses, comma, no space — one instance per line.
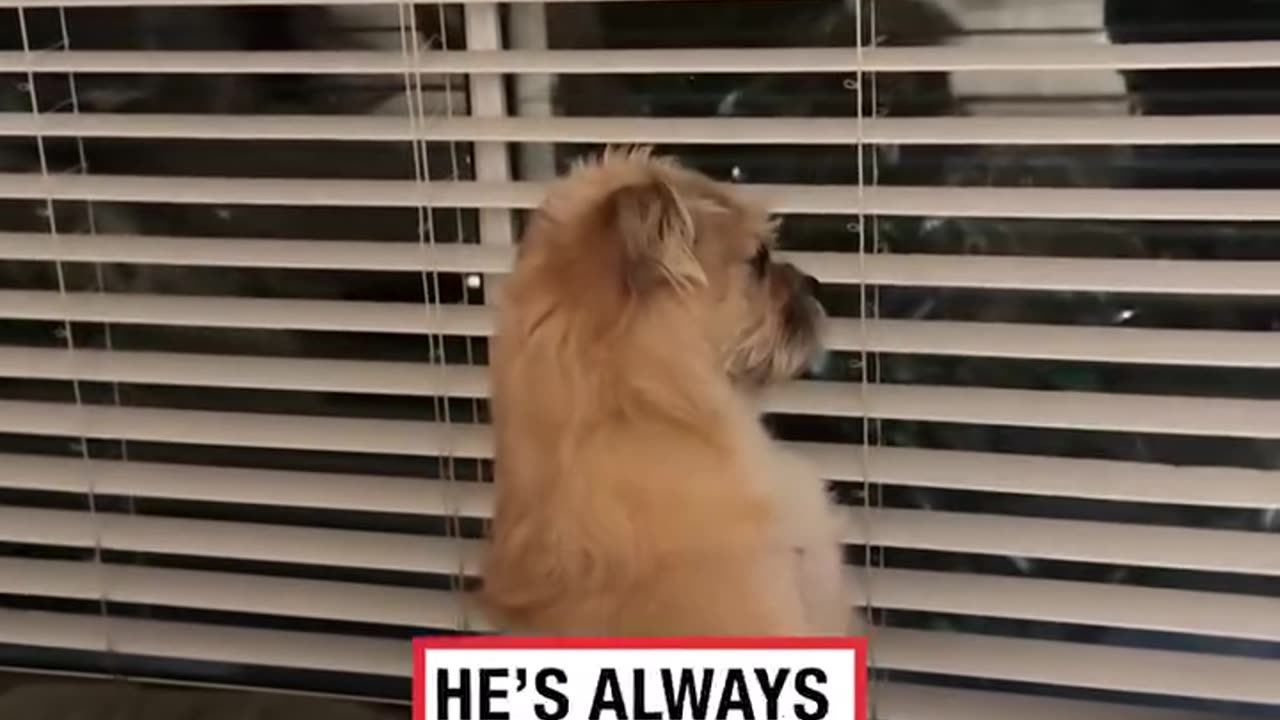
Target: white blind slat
(246,371)
(1223,348)
(933,58)
(963,202)
(1184,277)
(995,272)
(387,657)
(256,252)
(1212,416)
(212,643)
(303,192)
(1043,203)
(896,701)
(45,527)
(250,3)
(240,540)
(240,312)
(232,592)
(1109,668)
(39,629)
(1120,481)
(1073,540)
(257,430)
(1113,543)
(977,130)
(1247,617)
(1224,417)
(1078,665)
(1114,480)
(1218,417)
(1214,348)
(288,488)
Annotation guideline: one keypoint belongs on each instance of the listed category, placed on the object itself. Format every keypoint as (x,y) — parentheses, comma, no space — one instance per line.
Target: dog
(637,493)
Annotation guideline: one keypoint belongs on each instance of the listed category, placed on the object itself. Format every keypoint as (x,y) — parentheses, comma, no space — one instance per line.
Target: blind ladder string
(92,226)
(91,219)
(863,354)
(453,528)
(410,44)
(33,97)
(873,78)
(455,519)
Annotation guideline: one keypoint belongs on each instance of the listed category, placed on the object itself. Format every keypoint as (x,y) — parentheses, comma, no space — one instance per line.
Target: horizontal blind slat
(1163,672)
(1110,480)
(233,592)
(902,701)
(1073,540)
(933,58)
(1068,664)
(302,192)
(1215,348)
(1216,417)
(1038,203)
(252,486)
(1185,277)
(1256,553)
(903,201)
(206,642)
(1155,609)
(258,430)
(244,371)
(1113,480)
(981,130)
(1060,409)
(244,3)
(1224,348)
(1212,416)
(995,272)
(242,312)
(240,540)
(258,252)
(1247,617)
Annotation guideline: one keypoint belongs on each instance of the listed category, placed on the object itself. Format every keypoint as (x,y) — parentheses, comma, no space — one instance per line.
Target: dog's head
(628,234)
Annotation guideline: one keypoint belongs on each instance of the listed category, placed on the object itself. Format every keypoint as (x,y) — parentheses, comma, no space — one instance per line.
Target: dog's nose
(811,282)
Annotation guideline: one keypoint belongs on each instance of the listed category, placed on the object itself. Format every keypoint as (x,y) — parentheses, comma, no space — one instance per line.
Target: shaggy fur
(638,493)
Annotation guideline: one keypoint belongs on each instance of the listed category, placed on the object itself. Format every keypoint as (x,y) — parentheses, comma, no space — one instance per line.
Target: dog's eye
(760,261)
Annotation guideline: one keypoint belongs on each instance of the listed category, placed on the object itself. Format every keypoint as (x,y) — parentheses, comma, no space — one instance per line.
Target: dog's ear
(657,235)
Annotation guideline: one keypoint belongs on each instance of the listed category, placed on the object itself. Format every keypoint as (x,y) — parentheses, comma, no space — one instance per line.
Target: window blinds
(247,284)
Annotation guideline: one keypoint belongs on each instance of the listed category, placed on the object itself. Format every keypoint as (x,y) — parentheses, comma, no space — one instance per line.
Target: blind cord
(410,48)
(864,357)
(66,330)
(458,582)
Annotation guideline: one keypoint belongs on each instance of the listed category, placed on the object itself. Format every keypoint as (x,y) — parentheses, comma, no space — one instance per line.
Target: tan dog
(637,493)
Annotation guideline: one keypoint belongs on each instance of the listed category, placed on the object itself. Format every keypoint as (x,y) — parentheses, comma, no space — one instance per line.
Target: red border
(455,642)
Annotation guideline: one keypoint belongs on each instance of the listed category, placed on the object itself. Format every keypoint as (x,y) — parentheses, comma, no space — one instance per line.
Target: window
(247,255)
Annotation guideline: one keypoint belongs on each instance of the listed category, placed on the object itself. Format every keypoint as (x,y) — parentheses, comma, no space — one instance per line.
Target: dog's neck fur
(670,368)
(642,372)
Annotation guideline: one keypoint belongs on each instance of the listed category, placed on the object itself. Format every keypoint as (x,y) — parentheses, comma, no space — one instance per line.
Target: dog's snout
(802,280)
(811,283)
(798,279)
